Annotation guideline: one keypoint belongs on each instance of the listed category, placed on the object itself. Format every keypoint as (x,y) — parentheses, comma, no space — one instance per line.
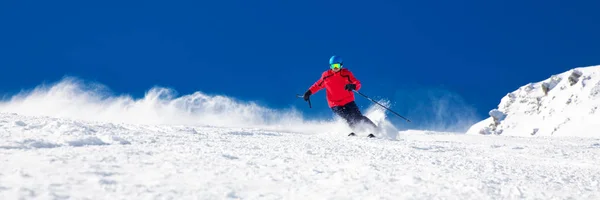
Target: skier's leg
(353,117)
(342,111)
(357,116)
(360,118)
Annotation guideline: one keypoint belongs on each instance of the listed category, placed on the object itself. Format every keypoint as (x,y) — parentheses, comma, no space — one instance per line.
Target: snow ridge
(21,132)
(75,99)
(564,104)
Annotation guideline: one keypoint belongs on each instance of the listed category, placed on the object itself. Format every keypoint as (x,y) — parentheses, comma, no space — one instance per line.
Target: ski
(369,136)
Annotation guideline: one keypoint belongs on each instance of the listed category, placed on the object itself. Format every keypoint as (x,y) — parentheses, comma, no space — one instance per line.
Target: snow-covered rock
(565,104)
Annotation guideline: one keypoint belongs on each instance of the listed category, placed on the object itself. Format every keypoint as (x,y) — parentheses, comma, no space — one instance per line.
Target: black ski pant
(352,115)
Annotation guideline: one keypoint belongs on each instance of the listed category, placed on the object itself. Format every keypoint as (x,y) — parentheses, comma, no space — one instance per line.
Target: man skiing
(339,83)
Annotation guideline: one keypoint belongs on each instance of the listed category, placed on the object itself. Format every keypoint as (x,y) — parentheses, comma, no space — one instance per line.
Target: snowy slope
(77,141)
(565,104)
(52,158)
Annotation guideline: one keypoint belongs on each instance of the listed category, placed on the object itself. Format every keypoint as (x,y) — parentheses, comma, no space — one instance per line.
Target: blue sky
(409,52)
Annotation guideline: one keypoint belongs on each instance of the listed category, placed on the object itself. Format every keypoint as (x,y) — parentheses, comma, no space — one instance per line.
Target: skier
(339,83)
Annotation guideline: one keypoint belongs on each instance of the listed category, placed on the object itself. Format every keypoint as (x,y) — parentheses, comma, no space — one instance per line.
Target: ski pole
(300,96)
(381,105)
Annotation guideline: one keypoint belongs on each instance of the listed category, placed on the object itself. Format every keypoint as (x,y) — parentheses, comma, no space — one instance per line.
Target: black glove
(307,95)
(350,87)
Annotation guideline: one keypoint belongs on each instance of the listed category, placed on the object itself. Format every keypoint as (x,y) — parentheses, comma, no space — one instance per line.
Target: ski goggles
(336,66)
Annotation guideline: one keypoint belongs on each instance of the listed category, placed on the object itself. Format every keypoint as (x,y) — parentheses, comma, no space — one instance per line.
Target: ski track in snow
(48,158)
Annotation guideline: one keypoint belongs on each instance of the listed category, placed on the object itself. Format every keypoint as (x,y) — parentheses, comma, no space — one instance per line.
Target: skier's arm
(354,81)
(318,85)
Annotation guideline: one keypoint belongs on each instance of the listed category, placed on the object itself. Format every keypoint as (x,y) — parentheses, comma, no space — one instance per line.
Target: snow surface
(564,104)
(71,140)
(50,158)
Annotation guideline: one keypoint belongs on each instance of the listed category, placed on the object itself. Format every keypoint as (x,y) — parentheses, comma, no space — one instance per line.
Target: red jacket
(334,84)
